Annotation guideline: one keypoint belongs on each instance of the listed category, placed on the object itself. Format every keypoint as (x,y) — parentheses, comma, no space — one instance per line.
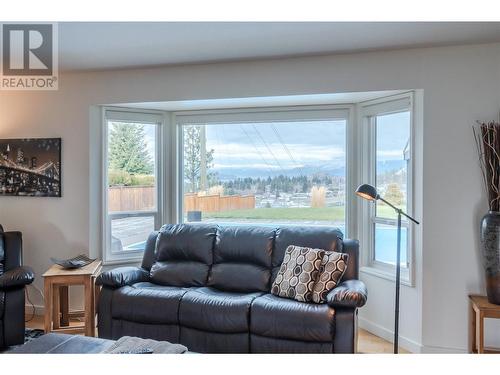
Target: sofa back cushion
(326,238)
(242,259)
(184,254)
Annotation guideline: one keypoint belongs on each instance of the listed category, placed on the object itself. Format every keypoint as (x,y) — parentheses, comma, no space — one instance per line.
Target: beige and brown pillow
(298,273)
(333,266)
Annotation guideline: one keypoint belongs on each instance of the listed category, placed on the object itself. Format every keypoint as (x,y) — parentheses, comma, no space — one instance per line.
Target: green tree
(192,159)
(128,149)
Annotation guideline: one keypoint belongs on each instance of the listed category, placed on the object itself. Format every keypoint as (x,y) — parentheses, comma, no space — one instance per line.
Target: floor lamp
(369,192)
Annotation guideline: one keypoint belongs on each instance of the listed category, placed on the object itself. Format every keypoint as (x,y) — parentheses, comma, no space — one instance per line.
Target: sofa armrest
(17,277)
(122,276)
(350,293)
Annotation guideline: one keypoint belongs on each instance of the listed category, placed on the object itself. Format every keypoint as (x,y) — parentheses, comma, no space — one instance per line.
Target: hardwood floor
(367,342)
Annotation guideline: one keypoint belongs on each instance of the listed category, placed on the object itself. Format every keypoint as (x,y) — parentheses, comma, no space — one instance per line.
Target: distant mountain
(232,173)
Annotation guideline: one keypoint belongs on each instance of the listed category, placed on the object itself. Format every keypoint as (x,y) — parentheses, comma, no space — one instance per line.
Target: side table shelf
(480,309)
(56,284)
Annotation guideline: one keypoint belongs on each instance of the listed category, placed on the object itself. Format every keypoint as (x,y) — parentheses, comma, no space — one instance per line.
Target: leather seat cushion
(242,259)
(184,255)
(277,317)
(213,310)
(240,277)
(178,242)
(143,303)
(244,244)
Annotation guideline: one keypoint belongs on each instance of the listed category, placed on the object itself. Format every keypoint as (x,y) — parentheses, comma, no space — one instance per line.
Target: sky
(279,145)
(287,145)
(306,143)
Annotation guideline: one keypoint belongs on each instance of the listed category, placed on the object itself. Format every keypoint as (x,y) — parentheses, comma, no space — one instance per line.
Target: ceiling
(268,101)
(99,46)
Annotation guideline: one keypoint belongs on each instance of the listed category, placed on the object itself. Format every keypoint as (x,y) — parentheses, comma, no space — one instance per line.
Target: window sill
(123,261)
(388,275)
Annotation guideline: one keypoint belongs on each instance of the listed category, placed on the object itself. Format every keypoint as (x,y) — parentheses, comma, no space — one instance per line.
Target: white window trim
(124,114)
(366,111)
(254,115)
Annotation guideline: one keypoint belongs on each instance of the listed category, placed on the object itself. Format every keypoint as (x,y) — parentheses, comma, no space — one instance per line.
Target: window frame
(265,114)
(133,116)
(367,113)
(170,163)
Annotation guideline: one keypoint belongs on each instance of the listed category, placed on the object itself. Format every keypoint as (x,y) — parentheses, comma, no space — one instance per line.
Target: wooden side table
(56,283)
(480,309)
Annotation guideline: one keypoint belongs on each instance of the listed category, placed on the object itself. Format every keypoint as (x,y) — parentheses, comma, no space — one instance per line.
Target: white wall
(460,84)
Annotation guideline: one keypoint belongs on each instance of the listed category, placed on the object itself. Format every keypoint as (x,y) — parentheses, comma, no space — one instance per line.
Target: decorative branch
(487,139)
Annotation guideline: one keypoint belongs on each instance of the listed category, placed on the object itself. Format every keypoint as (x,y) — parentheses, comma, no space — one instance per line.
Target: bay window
(270,166)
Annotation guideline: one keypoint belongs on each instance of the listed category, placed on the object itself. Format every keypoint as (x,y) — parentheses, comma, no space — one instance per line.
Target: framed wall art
(30,167)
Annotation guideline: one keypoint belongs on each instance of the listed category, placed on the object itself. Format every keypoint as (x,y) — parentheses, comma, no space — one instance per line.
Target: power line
(287,150)
(257,149)
(268,148)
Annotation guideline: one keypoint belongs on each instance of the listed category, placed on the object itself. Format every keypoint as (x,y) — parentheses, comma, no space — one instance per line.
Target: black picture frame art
(30,167)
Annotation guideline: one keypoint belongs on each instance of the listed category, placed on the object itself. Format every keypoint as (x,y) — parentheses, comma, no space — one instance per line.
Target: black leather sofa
(13,279)
(207,287)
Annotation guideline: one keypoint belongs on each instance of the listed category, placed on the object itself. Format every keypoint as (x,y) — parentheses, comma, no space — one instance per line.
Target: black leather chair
(207,287)
(13,279)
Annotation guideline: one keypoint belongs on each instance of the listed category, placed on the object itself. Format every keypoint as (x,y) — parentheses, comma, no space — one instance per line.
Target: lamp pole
(398,278)
(398,270)
(369,193)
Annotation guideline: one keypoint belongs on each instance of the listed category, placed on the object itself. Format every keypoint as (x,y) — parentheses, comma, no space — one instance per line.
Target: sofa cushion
(184,254)
(147,303)
(326,238)
(213,310)
(333,266)
(244,244)
(277,317)
(242,259)
(298,273)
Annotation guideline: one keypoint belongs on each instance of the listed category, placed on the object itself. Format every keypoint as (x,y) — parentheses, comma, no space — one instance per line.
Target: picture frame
(31,167)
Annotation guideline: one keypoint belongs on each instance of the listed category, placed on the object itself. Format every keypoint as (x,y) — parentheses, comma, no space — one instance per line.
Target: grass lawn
(281,213)
(291,213)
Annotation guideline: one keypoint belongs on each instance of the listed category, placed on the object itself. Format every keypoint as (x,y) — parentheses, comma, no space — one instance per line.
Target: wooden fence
(139,198)
(131,198)
(216,203)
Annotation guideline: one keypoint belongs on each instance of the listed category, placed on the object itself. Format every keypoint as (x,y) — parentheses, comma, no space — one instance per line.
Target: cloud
(240,153)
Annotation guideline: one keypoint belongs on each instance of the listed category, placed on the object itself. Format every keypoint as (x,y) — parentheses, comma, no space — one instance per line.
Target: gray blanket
(136,345)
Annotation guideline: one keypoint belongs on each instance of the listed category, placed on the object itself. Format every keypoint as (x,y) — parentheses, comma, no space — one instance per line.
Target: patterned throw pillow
(298,273)
(332,268)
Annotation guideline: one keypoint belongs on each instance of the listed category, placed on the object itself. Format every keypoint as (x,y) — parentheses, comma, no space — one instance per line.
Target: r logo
(27,50)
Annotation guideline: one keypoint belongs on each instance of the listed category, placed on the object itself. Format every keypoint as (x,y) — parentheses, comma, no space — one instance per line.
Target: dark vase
(490,246)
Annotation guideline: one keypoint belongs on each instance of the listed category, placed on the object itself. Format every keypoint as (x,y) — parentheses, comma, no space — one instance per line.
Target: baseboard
(39,309)
(429,349)
(388,335)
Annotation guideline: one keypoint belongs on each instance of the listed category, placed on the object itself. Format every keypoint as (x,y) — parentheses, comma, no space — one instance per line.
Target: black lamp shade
(367,192)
